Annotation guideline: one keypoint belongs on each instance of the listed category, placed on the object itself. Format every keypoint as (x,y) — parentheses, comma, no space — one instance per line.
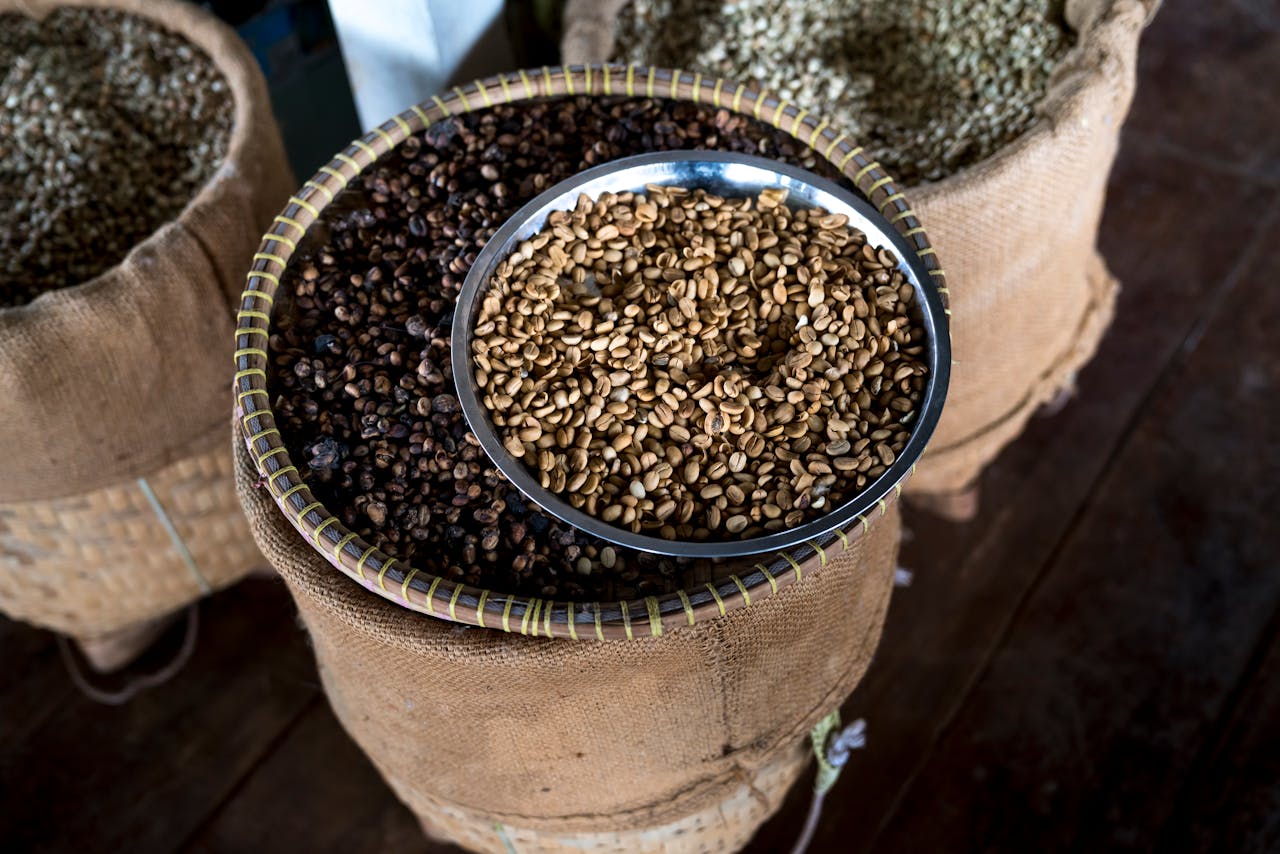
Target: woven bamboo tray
(94,564)
(434,595)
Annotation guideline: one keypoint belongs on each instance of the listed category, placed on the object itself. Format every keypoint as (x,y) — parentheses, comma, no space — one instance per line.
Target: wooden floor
(1093,664)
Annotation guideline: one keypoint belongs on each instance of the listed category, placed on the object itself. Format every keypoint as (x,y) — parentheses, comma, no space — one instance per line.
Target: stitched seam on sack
(839,693)
(649,813)
(232,303)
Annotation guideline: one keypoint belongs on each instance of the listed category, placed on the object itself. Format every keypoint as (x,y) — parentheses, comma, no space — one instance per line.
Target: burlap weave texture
(114,378)
(590,736)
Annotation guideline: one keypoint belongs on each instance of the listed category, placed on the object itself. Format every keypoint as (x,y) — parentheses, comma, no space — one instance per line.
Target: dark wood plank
(942,629)
(1207,75)
(317,792)
(1080,733)
(142,776)
(32,683)
(1233,800)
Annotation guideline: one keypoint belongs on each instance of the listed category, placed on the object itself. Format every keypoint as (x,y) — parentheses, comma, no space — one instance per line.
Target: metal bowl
(730,175)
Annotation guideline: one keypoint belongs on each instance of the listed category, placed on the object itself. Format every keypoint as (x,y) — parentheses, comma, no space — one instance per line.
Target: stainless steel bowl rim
(730,175)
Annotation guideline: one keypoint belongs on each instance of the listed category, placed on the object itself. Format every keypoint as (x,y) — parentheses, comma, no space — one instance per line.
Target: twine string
(85,681)
(502,835)
(832,753)
(175,537)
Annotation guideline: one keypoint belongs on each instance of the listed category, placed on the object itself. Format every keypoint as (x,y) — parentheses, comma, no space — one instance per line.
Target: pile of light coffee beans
(691,366)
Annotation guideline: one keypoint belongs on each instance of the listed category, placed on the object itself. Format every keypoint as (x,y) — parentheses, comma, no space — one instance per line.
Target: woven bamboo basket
(434,595)
(725,826)
(105,566)
(685,742)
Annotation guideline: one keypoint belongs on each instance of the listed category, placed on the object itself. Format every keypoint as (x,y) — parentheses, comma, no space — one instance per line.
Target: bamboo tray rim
(650,616)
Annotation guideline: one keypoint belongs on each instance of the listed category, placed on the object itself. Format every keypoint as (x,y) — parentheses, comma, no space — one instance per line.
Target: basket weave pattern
(653,615)
(95,563)
(726,826)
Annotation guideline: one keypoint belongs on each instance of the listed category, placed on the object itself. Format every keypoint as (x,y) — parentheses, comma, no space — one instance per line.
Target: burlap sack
(608,745)
(114,506)
(115,377)
(1030,296)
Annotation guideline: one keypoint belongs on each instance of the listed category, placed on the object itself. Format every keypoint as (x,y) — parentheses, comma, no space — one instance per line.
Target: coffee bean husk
(109,124)
(362,381)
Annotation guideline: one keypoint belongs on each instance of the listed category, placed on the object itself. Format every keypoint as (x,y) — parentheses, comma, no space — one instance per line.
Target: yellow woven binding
(853,152)
(261,433)
(773,582)
(404,585)
(272,478)
(316,185)
(821,552)
(462,96)
(320,529)
(280,238)
(880,182)
(343,157)
(431,594)
(688,607)
(817,132)
(292,491)
(626,619)
(655,616)
(270,277)
(715,594)
(835,142)
(342,544)
(453,602)
(293,223)
(305,205)
(874,164)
